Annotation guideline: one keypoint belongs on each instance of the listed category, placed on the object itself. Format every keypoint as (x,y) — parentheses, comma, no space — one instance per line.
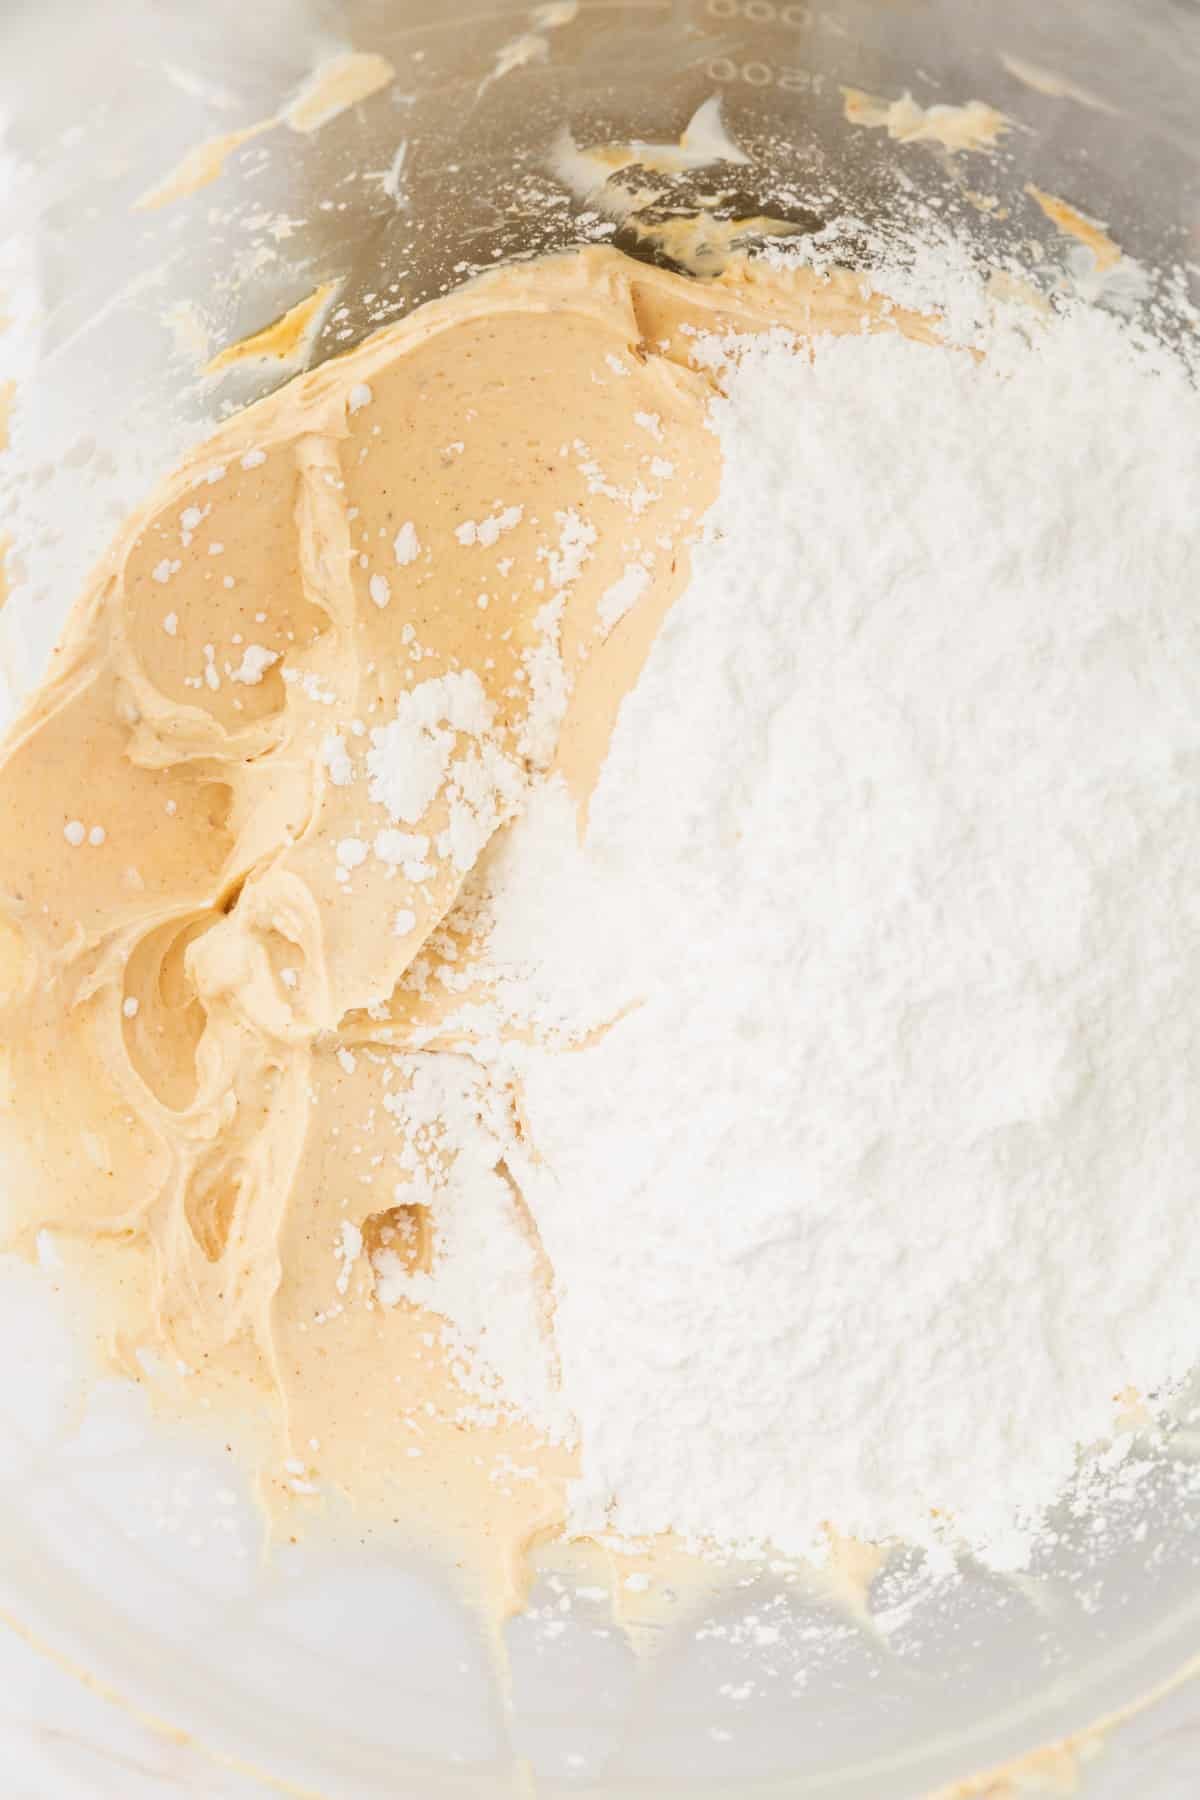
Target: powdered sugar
(441,741)
(406,545)
(489,530)
(875,1186)
(337,760)
(410,758)
(256,660)
(616,600)
(455,1129)
(351,853)
(543,665)
(576,536)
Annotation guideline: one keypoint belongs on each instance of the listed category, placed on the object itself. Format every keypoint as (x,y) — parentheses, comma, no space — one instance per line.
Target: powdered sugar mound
(538,891)
(876,1183)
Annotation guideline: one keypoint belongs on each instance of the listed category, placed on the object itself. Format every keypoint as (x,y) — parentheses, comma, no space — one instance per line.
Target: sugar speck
(406,544)
(351,853)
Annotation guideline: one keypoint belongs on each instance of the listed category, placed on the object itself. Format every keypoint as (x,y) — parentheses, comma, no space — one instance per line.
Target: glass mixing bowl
(126,1548)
